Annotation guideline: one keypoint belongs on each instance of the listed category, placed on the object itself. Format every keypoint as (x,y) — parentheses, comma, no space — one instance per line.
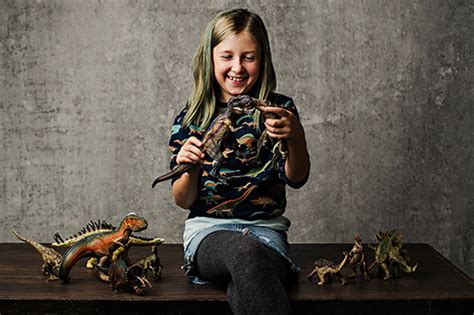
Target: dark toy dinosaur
(122,277)
(215,139)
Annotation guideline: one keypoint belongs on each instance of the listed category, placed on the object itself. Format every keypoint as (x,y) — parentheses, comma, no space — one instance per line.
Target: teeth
(236,79)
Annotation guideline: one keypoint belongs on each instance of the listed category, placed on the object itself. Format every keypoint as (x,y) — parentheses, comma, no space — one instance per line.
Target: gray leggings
(255,275)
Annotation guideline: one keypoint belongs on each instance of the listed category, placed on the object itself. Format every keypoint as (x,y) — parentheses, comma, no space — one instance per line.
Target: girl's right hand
(190,152)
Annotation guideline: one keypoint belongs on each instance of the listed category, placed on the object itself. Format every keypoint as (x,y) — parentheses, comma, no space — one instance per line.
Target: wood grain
(437,287)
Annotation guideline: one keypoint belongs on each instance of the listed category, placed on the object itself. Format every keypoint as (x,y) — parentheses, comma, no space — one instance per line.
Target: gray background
(89,90)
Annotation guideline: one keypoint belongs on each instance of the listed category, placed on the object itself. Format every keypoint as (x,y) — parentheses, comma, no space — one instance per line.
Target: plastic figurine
(51,258)
(122,277)
(390,257)
(326,269)
(151,263)
(215,138)
(357,259)
(101,244)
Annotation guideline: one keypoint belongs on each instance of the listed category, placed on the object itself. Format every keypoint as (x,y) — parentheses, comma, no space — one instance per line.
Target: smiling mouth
(236,79)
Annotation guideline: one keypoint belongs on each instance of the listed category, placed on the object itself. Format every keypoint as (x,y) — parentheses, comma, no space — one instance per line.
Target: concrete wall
(385,90)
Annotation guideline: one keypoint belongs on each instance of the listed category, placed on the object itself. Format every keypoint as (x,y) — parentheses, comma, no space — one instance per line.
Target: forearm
(185,189)
(297,163)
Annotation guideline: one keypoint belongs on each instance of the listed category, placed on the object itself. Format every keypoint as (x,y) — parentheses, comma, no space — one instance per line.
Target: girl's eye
(226,57)
(249,58)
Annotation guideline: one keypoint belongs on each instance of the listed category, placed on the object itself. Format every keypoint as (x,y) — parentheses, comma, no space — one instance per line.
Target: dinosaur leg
(310,276)
(90,263)
(342,278)
(386,272)
(216,166)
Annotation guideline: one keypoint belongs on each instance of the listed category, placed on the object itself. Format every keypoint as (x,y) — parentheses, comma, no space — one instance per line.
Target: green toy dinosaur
(390,256)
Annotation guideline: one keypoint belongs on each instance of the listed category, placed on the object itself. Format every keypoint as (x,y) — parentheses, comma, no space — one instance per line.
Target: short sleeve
(179,135)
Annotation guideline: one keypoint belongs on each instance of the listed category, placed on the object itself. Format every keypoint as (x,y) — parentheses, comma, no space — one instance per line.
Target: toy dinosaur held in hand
(215,138)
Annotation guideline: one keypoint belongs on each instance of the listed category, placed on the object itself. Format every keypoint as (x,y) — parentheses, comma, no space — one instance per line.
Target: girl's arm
(288,127)
(185,189)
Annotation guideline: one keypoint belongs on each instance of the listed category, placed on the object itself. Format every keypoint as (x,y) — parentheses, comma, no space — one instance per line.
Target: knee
(252,257)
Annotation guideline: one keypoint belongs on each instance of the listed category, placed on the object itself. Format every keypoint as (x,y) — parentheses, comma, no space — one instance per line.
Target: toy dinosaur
(101,244)
(94,228)
(326,269)
(278,147)
(122,277)
(215,139)
(390,256)
(357,259)
(51,258)
(151,263)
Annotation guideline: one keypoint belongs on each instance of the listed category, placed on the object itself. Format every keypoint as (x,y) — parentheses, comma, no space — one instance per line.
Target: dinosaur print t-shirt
(245,187)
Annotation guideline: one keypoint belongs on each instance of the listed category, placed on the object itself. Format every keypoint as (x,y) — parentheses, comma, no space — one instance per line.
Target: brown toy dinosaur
(357,259)
(122,277)
(51,258)
(326,269)
(215,138)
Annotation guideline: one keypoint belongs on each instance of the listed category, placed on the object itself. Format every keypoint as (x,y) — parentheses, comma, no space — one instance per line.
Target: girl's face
(236,65)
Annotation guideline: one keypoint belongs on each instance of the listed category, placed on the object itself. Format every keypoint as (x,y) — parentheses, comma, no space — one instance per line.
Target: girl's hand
(284,126)
(190,152)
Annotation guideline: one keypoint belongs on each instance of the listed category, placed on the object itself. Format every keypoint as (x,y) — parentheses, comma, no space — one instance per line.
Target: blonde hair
(202,103)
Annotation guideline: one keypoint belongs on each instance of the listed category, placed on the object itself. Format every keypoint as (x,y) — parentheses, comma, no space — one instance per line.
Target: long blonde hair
(202,103)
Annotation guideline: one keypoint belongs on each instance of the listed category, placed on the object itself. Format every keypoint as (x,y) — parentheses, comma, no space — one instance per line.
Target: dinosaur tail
(71,257)
(176,172)
(40,248)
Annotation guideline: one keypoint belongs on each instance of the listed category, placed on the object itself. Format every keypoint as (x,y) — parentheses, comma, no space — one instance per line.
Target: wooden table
(437,287)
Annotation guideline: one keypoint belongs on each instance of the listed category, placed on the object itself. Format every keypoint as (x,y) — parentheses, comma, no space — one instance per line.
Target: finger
(277,111)
(189,157)
(194,141)
(276,136)
(277,131)
(194,150)
(277,123)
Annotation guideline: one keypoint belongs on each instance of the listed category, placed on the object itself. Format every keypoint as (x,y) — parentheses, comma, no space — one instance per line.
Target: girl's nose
(237,66)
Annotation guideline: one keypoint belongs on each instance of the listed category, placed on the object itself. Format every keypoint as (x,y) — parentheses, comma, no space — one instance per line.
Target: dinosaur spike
(59,237)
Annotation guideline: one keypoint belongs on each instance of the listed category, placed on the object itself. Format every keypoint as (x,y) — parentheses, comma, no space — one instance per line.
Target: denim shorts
(276,240)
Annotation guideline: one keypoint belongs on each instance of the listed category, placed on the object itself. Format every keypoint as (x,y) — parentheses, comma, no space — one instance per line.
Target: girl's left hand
(284,126)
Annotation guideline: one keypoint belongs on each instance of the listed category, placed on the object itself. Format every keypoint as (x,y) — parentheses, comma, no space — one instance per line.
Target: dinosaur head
(134,222)
(241,104)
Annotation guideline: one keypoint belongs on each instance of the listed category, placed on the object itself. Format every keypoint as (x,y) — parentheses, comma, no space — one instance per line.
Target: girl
(235,234)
